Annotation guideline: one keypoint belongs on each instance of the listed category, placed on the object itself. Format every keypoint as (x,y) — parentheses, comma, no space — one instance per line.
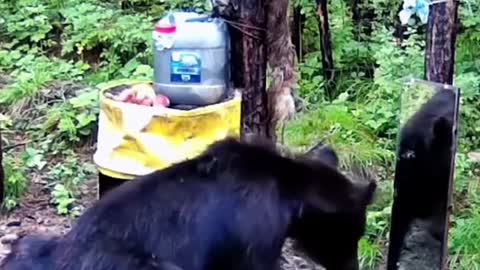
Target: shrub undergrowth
(52,52)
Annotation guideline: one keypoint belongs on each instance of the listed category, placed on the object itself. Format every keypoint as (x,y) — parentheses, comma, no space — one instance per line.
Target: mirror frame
(407,83)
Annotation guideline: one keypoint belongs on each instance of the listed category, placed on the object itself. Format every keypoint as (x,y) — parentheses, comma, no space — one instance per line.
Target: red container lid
(165,29)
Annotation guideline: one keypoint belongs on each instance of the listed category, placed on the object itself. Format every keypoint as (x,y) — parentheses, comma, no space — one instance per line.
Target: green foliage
(44,44)
(107,35)
(29,24)
(63,198)
(338,124)
(16,180)
(114,42)
(73,119)
(67,176)
(33,158)
(14,167)
(464,243)
(71,172)
(32,73)
(469,83)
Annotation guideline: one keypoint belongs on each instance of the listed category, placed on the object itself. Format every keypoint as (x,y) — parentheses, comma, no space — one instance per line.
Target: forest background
(53,53)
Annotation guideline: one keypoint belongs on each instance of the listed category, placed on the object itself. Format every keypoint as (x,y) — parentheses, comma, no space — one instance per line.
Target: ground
(36,214)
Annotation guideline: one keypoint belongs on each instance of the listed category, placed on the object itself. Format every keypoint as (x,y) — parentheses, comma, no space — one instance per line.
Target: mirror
(426,147)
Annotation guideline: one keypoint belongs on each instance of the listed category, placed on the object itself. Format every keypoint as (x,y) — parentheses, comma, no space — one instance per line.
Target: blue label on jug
(185,67)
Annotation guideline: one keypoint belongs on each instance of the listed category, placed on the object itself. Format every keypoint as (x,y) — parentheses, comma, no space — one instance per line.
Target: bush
(53,51)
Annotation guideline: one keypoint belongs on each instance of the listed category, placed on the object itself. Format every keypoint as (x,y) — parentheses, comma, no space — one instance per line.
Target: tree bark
(2,175)
(356,18)
(236,64)
(439,67)
(297,30)
(255,113)
(326,47)
(441,38)
(362,17)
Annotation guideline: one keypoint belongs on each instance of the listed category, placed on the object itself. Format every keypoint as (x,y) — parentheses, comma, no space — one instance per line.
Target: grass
(54,50)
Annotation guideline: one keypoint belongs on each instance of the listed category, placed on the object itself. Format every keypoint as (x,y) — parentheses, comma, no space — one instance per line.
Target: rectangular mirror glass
(425,161)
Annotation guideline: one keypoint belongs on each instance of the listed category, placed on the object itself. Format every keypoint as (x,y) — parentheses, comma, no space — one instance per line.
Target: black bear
(232,207)
(422,177)
(323,153)
(34,252)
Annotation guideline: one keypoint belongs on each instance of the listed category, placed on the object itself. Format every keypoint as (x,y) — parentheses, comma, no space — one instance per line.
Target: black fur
(230,208)
(323,153)
(423,170)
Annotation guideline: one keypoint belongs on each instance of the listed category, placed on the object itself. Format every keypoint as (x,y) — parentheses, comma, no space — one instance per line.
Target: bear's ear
(442,130)
(366,192)
(323,153)
(337,193)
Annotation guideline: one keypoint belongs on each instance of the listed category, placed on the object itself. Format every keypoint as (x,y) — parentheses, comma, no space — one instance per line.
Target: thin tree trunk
(362,17)
(2,175)
(236,64)
(326,47)
(255,114)
(439,67)
(356,18)
(297,30)
(441,38)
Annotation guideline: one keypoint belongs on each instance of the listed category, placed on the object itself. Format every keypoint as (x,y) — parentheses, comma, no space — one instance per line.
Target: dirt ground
(36,214)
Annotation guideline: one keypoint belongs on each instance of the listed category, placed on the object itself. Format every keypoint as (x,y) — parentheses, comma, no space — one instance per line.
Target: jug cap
(166,25)
(165,29)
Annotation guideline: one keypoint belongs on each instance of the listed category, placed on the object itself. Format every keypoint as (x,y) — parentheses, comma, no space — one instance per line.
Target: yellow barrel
(135,140)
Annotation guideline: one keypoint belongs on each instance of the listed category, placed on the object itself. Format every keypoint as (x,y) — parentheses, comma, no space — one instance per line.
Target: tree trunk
(356,18)
(236,63)
(439,67)
(441,38)
(2,175)
(297,30)
(362,16)
(326,47)
(255,114)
